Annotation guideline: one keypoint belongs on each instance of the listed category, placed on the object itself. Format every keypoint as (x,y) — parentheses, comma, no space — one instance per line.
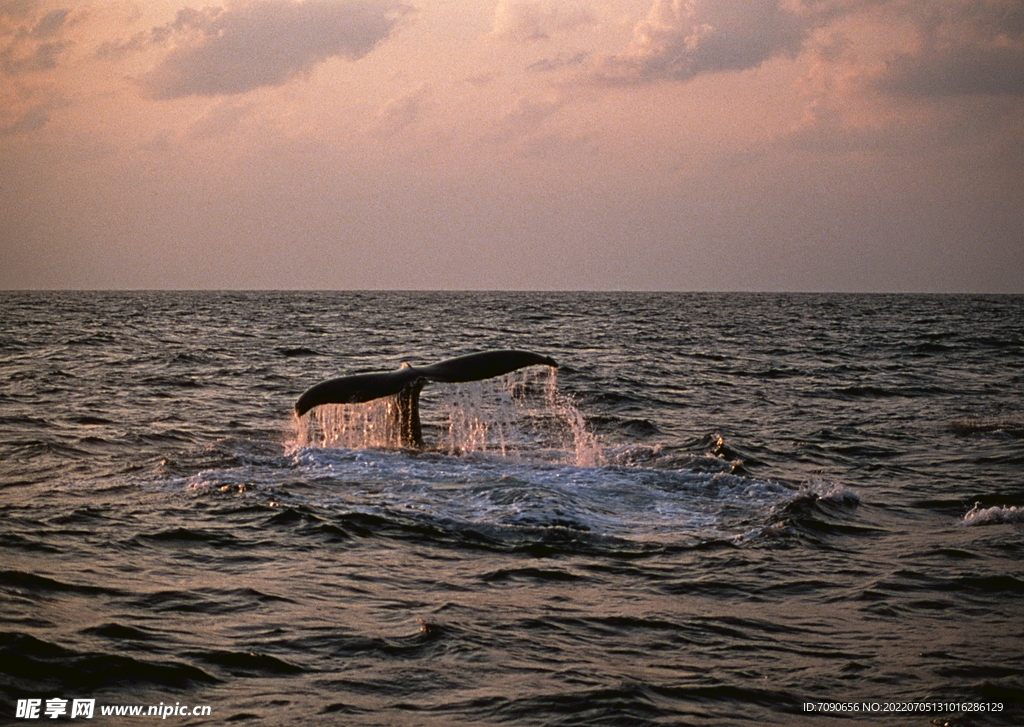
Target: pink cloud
(32,48)
(681,39)
(264,43)
(528,20)
(963,50)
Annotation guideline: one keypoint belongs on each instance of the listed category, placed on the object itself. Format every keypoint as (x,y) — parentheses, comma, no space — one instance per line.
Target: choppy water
(787,499)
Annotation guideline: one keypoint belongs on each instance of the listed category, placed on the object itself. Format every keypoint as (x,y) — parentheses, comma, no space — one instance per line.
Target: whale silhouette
(406,382)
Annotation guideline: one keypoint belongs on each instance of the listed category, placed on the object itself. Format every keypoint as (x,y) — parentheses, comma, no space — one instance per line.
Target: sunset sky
(776,145)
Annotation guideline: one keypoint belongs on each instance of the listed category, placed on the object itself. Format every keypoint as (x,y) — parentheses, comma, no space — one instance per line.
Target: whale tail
(406,383)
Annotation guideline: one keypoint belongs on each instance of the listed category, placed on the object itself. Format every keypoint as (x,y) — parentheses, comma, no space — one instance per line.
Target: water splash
(520,414)
(583,442)
(372,425)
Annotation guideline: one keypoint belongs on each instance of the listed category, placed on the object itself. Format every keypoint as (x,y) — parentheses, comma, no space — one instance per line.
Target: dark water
(799,499)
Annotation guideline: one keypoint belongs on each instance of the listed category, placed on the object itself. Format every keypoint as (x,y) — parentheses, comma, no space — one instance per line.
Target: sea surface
(721,509)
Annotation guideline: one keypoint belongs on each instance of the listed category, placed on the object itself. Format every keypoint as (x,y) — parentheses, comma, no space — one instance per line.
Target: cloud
(963,71)
(528,20)
(945,74)
(32,48)
(527,113)
(899,50)
(50,23)
(398,113)
(31,120)
(16,10)
(529,127)
(681,39)
(33,41)
(17,60)
(222,51)
(220,120)
(546,65)
(970,50)
(30,112)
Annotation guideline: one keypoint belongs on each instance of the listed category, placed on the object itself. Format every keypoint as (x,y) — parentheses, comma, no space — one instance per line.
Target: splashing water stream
(513,415)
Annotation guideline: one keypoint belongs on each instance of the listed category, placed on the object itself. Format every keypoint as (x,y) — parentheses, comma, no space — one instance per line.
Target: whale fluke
(407,381)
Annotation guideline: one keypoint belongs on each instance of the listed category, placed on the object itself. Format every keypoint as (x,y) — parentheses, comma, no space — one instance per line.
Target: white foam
(486,489)
(994,515)
(834,492)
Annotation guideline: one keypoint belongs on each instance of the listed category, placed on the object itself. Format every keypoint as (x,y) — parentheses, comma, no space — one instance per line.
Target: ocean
(721,509)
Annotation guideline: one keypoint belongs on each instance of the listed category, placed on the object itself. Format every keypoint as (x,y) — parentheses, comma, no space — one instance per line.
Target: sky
(725,145)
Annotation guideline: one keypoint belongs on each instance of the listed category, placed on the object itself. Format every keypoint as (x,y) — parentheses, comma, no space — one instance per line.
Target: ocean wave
(819,508)
(998,426)
(36,666)
(834,493)
(246,663)
(31,584)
